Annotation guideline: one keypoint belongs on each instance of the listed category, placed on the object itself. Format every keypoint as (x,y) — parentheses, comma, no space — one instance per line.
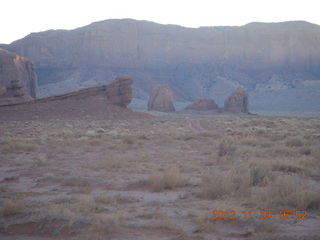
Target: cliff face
(202,62)
(16,68)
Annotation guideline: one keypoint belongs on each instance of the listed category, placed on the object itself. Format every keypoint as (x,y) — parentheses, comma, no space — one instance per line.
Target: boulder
(161,99)
(18,69)
(237,102)
(119,92)
(203,104)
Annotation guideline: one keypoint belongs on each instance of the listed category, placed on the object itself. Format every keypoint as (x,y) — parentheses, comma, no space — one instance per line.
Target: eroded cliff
(16,68)
(210,61)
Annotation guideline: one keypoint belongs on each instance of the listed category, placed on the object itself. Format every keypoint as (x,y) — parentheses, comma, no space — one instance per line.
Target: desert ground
(134,175)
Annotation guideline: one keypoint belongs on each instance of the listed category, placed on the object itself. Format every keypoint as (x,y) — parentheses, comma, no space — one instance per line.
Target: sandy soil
(87,170)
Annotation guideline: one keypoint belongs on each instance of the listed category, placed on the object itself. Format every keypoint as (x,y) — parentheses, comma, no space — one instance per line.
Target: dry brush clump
(294,142)
(290,192)
(78,184)
(169,179)
(12,207)
(226,147)
(18,145)
(234,183)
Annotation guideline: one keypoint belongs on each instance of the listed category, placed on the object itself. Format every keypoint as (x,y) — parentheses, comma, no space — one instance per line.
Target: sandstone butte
(16,68)
(161,99)
(237,102)
(200,104)
(119,92)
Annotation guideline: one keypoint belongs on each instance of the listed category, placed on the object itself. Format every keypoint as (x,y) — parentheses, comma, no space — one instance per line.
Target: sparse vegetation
(169,179)
(157,176)
(12,207)
(226,147)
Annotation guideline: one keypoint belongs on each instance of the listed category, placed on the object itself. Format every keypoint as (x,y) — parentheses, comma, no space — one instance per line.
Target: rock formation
(203,104)
(237,102)
(14,94)
(14,88)
(16,68)
(119,92)
(202,61)
(161,99)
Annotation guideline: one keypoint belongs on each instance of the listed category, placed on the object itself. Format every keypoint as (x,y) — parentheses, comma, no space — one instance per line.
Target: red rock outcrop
(13,67)
(119,92)
(237,102)
(80,95)
(14,94)
(161,99)
(203,104)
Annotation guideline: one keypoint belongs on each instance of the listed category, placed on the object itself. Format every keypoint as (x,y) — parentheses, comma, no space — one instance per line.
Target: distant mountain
(277,63)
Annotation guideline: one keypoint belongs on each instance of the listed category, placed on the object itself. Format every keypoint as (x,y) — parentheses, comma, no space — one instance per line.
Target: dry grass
(128,140)
(12,207)
(226,147)
(78,184)
(18,145)
(41,160)
(169,179)
(287,191)
(234,183)
(294,142)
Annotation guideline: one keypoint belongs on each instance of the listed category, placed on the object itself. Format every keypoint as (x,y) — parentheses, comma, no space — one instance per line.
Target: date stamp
(259,215)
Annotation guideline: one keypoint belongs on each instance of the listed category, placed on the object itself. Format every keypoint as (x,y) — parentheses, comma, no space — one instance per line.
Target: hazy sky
(18,18)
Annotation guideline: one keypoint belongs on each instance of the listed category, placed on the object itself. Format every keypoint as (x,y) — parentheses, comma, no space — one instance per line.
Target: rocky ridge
(119,93)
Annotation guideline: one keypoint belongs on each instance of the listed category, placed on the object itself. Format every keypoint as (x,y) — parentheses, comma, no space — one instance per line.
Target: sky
(19,18)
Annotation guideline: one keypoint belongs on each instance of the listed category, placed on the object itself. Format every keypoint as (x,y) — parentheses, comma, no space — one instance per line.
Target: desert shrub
(240,179)
(143,137)
(61,212)
(249,141)
(79,185)
(287,191)
(259,175)
(226,147)
(41,160)
(14,145)
(235,183)
(286,167)
(282,151)
(215,186)
(128,139)
(294,142)
(304,150)
(110,164)
(169,179)
(12,207)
